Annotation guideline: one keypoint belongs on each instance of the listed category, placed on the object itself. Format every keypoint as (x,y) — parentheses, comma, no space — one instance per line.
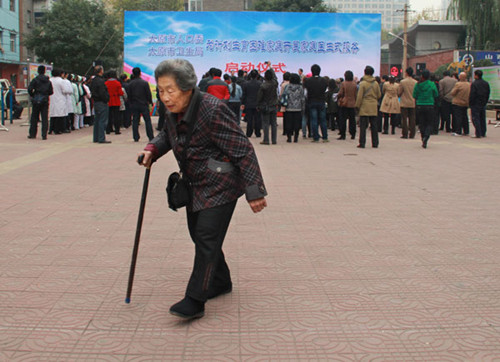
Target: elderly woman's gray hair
(182,71)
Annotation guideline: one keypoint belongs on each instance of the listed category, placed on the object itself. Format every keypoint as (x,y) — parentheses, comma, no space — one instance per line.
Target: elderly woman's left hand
(258,204)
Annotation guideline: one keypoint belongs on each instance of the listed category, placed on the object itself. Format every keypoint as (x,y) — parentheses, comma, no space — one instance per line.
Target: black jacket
(250,91)
(479,93)
(139,92)
(268,94)
(316,88)
(99,90)
(40,89)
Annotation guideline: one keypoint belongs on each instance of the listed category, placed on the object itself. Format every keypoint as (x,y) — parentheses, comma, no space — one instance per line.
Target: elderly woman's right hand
(147,158)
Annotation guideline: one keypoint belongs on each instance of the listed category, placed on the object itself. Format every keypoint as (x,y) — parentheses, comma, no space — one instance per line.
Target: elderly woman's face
(174,99)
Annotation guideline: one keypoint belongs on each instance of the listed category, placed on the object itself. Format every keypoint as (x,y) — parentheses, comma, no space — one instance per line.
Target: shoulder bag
(178,186)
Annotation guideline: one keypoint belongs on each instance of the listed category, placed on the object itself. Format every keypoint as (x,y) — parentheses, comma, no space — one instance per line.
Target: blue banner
(247,40)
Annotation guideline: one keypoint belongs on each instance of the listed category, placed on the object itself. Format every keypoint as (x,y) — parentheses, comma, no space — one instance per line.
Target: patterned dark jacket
(221,164)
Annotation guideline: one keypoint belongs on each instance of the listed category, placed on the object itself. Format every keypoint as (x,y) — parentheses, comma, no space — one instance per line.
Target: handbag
(178,186)
(284,97)
(178,191)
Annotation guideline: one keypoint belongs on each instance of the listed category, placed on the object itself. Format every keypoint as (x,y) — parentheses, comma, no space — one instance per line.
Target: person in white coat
(77,105)
(58,110)
(70,109)
(88,109)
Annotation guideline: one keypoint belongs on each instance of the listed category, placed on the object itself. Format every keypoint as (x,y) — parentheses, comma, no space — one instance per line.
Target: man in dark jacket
(267,101)
(100,96)
(249,104)
(40,89)
(140,98)
(479,95)
(316,88)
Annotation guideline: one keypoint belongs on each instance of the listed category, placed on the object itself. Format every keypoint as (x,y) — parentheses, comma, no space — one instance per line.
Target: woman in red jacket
(115,92)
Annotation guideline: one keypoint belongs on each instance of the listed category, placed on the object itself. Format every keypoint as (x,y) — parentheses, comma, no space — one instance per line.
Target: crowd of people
(66,102)
(313,104)
(310,104)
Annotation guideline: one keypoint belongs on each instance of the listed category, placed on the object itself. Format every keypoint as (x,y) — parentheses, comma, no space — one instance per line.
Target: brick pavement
(362,255)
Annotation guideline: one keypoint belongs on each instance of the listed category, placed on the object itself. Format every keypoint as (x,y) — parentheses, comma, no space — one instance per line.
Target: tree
(482,18)
(305,6)
(147,5)
(119,6)
(74,33)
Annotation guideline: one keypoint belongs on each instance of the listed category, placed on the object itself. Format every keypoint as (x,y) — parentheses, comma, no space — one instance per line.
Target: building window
(29,18)
(12,5)
(13,42)
(195,5)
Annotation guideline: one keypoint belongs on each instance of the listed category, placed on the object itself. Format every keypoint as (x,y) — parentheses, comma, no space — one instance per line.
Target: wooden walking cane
(138,229)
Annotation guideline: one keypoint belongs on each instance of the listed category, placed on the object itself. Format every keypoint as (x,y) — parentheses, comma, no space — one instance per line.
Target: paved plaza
(388,254)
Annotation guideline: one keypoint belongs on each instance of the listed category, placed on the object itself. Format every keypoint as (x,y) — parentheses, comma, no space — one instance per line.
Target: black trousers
(425,117)
(460,122)
(294,123)
(445,115)
(40,110)
(394,122)
(479,120)
(254,123)
(207,229)
(345,114)
(114,120)
(363,125)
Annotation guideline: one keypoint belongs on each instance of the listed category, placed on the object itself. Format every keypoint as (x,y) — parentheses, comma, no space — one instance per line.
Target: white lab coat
(69,96)
(58,102)
(87,97)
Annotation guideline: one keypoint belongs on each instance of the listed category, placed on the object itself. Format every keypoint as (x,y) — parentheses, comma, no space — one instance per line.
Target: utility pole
(405,39)
(406,10)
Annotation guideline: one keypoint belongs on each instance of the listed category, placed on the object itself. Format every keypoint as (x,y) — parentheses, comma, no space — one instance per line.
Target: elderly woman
(220,164)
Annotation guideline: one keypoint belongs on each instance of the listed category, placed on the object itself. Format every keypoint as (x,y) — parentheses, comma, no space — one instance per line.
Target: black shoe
(404,136)
(385,132)
(188,308)
(353,137)
(106,141)
(361,146)
(118,132)
(220,291)
(44,137)
(264,143)
(31,137)
(341,138)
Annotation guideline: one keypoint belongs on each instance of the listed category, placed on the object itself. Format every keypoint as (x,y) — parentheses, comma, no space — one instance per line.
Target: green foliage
(439,71)
(305,6)
(483,63)
(72,35)
(482,18)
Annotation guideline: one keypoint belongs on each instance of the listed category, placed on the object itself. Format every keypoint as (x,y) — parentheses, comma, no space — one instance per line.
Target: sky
(420,5)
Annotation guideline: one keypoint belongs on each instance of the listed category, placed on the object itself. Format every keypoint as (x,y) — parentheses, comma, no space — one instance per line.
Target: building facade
(218,5)
(391,10)
(10,57)
(430,44)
